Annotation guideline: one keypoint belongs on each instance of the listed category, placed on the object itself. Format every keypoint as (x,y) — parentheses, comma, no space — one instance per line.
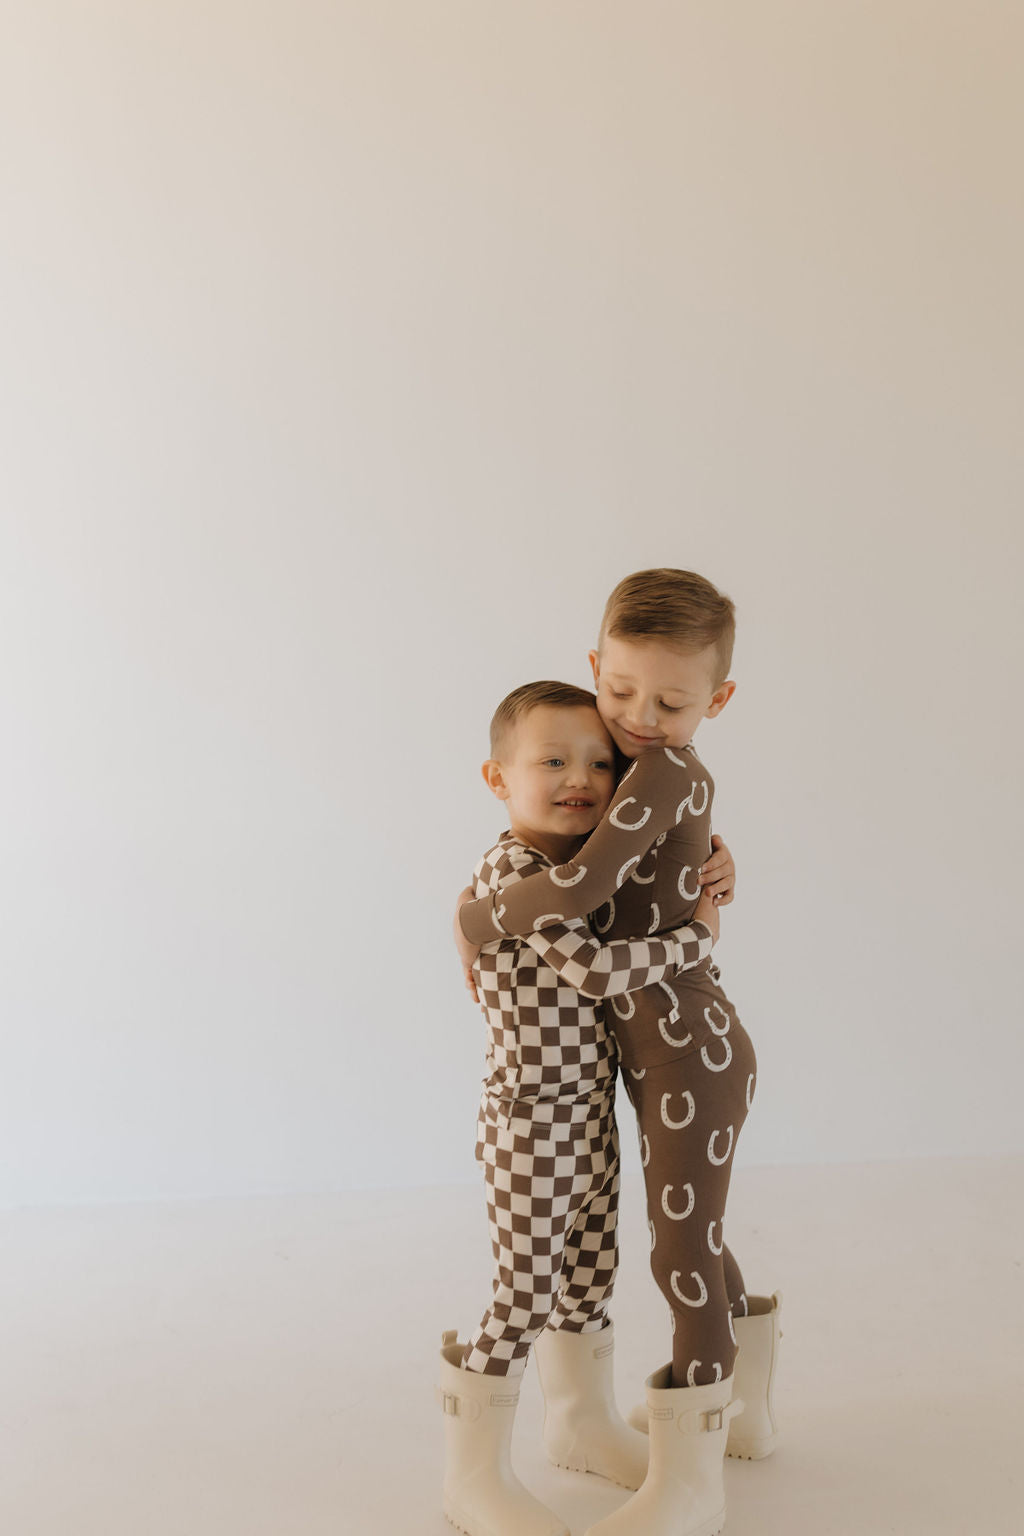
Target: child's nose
(644,713)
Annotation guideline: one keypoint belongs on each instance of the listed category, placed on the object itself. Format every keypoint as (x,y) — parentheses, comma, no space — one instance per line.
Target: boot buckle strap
(457,1407)
(709,1420)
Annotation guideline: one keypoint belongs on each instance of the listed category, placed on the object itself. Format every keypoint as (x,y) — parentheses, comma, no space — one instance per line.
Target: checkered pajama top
(549,1058)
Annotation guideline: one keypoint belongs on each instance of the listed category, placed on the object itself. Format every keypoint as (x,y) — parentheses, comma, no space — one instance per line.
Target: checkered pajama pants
(553,1208)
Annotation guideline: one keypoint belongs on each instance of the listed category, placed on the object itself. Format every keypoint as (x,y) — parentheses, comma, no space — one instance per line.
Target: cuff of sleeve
(703,934)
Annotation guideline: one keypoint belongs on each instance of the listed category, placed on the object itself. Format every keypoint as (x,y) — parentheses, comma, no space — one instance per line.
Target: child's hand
(467,951)
(707,912)
(718,874)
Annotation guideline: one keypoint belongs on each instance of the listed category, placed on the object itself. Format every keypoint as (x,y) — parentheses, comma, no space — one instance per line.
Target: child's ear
(494,778)
(595,666)
(720,699)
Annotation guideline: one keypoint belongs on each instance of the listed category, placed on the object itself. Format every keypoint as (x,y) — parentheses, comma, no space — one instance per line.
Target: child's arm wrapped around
(624,965)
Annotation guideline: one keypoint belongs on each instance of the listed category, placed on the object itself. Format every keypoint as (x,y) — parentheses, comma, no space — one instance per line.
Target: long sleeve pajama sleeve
(622,965)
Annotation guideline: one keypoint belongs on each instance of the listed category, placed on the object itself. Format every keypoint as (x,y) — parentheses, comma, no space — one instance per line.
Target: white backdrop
(350,353)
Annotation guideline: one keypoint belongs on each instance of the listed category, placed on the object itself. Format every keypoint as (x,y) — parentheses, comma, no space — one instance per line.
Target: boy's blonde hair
(521,700)
(679,607)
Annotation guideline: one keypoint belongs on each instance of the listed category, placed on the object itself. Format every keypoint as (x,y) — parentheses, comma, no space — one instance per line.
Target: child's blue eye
(553,762)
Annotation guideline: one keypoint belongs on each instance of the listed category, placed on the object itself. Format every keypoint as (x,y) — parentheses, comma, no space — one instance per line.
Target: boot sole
(457,1520)
(569,1466)
(751,1450)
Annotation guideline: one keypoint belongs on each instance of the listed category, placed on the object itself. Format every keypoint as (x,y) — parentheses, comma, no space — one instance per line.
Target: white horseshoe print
(719,1066)
(671,1039)
(628,826)
(718,1029)
(621,876)
(711,1241)
(628,1006)
(638,1075)
(575,879)
(688,804)
(547,919)
(677,1125)
(672,1017)
(603,927)
(680,762)
(718,1373)
(677,1215)
(750,1090)
(496,916)
(672,1320)
(732,1330)
(690,1369)
(640,879)
(684,889)
(655,918)
(654,1236)
(718,1161)
(645,1151)
(702,1290)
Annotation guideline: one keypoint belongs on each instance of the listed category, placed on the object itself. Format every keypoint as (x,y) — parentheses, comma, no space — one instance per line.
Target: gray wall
(350,354)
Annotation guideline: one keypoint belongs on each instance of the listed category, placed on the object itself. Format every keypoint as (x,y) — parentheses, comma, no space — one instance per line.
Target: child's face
(558,773)
(651,695)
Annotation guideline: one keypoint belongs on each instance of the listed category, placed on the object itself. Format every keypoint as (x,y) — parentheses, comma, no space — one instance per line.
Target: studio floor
(266,1367)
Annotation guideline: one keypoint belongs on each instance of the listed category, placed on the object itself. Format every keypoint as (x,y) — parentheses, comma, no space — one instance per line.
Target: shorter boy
(546,1129)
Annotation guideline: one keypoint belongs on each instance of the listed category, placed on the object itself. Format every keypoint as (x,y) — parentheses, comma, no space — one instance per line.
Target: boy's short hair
(521,700)
(679,607)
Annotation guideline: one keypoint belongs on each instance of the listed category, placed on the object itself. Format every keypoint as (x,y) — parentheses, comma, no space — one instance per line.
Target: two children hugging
(589,940)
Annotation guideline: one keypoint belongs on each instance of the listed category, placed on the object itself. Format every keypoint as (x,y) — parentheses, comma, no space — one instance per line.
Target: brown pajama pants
(690,1110)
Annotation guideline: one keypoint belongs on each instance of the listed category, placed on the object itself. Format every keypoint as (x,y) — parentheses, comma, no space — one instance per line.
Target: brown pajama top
(638,874)
(546,1127)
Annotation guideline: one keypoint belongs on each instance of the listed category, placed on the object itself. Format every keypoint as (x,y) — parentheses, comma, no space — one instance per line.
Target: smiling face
(652,695)
(556,775)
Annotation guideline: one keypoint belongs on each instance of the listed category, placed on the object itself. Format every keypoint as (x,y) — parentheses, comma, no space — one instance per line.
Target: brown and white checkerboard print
(553,1209)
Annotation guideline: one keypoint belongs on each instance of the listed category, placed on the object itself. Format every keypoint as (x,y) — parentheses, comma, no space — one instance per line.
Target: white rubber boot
(753,1433)
(482,1495)
(583,1429)
(684,1491)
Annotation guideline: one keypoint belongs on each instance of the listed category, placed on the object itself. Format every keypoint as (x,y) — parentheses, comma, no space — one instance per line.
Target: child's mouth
(575,805)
